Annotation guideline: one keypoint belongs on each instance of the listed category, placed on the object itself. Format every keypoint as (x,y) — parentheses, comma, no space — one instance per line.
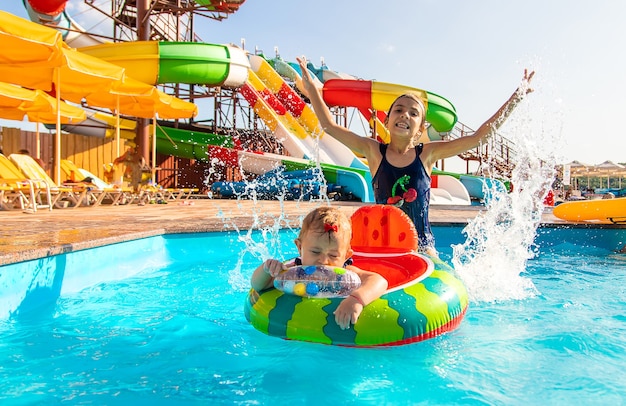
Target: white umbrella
(609,168)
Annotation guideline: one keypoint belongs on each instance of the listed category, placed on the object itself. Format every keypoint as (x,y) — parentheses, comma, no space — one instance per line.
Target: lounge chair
(75,194)
(20,192)
(102,191)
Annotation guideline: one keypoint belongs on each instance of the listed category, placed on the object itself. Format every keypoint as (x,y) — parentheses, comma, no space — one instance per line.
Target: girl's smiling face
(323,248)
(406,116)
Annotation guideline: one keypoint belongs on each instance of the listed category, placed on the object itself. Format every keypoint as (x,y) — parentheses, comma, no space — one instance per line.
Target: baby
(325,240)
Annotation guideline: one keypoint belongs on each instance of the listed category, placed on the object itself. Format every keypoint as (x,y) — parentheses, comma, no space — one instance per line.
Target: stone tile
(25,236)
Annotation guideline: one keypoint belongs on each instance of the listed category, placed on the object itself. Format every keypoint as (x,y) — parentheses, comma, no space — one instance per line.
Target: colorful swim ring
(423,299)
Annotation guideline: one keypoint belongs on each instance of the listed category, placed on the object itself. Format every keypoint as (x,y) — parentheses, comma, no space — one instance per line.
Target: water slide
(447,190)
(53,13)
(209,64)
(369,94)
(478,187)
(285,113)
(301,146)
(373,100)
(481,188)
(285,128)
(369,97)
(294,123)
(338,153)
(156,62)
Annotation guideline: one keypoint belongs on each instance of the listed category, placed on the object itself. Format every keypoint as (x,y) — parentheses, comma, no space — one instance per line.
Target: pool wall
(34,284)
(29,285)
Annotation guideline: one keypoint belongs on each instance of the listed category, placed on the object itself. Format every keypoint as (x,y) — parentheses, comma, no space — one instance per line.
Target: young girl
(325,240)
(402,165)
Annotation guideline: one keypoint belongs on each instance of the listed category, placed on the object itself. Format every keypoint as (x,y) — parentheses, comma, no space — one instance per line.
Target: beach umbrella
(24,43)
(137,99)
(35,57)
(170,108)
(134,98)
(609,168)
(578,169)
(77,76)
(17,103)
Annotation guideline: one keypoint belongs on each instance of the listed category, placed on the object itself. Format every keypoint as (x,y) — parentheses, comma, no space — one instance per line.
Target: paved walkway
(25,236)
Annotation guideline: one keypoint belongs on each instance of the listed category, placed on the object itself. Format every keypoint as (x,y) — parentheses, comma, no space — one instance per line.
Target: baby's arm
(372,287)
(263,276)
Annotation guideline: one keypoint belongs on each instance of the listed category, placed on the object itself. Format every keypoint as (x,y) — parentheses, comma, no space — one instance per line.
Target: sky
(472,52)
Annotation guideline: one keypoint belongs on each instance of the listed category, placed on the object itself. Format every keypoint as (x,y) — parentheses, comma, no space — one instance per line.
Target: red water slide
(48,7)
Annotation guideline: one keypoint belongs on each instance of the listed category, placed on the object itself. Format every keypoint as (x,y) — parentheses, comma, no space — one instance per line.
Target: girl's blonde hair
(329,220)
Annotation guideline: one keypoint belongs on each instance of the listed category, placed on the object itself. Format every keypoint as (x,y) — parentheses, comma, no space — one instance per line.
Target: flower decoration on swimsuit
(408,196)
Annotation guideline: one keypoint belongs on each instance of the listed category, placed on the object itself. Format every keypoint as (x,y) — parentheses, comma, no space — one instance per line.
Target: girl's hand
(524,88)
(307,80)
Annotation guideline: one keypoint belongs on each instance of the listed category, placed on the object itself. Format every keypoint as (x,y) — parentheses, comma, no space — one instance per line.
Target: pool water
(169,328)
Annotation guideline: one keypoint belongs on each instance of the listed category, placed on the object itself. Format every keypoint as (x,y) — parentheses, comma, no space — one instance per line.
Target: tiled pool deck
(26,236)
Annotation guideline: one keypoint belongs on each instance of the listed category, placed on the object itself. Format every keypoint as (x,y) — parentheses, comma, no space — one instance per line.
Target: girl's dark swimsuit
(387,175)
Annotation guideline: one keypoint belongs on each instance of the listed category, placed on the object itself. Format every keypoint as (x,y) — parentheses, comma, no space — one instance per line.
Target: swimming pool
(160,320)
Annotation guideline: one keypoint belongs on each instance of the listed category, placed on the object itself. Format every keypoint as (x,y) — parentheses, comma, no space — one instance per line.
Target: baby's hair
(327,220)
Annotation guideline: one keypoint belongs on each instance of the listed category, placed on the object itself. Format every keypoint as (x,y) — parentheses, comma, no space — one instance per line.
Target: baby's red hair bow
(330,227)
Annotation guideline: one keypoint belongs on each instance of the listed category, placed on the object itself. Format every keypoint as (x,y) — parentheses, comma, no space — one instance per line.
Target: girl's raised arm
(355,142)
(437,150)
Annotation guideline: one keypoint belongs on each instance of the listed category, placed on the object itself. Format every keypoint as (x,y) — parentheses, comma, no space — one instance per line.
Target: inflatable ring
(423,299)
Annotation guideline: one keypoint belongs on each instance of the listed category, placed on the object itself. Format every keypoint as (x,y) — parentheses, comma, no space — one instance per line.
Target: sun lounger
(20,192)
(101,191)
(158,194)
(75,194)
(180,193)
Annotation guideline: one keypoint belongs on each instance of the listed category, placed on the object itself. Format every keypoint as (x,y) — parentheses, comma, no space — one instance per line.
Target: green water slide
(190,144)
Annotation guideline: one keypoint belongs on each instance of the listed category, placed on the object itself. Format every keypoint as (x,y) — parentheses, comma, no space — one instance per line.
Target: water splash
(500,240)
(261,238)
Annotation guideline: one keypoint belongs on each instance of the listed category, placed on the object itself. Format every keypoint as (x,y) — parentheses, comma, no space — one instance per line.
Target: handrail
(498,152)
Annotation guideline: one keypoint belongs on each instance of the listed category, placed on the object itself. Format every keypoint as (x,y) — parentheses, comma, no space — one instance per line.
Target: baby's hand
(273,267)
(348,312)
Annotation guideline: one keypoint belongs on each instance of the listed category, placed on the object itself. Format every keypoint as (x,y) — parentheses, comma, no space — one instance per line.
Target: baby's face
(321,249)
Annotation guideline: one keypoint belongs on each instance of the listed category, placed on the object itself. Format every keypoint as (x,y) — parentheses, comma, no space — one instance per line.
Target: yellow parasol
(35,56)
(28,43)
(138,99)
(17,102)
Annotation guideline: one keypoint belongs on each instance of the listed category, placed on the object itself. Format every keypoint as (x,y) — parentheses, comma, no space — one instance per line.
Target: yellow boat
(602,210)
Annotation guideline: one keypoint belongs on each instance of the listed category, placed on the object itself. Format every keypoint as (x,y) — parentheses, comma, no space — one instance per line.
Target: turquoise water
(160,321)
